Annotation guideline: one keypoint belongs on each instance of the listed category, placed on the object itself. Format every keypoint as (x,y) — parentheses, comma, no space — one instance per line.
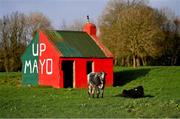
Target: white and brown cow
(96,82)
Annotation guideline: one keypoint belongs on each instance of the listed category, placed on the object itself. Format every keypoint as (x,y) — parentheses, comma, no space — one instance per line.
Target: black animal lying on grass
(136,92)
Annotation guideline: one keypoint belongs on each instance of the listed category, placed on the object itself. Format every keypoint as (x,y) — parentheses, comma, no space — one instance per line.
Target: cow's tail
(88,78)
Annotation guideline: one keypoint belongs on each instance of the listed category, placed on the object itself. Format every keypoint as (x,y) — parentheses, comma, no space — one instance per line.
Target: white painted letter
(35,66)
(34,54)
(42,48)
(28,64)
(42,65)
(49,65)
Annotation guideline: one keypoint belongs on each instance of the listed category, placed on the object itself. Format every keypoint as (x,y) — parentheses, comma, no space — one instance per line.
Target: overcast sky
(70,10)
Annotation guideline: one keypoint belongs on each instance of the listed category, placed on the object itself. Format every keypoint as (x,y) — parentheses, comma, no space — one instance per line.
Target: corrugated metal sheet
(75,44)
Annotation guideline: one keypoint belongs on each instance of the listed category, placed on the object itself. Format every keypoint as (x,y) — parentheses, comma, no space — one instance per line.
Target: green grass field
(161,85)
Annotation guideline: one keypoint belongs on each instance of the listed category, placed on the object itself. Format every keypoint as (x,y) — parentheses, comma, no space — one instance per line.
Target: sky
(67,11)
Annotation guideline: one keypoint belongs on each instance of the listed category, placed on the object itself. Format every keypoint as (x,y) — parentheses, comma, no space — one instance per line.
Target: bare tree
(37,20)
(171,45)
(13,37)
(76,25)
(15,30)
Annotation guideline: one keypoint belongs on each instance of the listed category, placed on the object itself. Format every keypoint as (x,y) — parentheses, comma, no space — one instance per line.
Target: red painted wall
(53,79)
(80,75)
(105,65)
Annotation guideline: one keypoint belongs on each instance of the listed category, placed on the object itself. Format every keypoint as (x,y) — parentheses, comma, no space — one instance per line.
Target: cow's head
(102,77)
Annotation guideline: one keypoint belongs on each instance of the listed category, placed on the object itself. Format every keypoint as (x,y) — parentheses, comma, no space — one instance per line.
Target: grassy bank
(161,85)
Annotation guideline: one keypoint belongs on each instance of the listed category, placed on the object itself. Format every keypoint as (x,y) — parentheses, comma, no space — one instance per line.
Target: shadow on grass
(123,77)
(145,96)
(149,96)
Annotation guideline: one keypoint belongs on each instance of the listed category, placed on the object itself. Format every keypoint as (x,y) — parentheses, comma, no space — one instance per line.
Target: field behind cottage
(161,85)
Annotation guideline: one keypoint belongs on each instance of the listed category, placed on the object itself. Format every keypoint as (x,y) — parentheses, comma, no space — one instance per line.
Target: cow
(136,92)
(96,82)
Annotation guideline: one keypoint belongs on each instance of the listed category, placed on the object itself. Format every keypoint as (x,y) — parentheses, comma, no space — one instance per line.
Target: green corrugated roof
(75,44)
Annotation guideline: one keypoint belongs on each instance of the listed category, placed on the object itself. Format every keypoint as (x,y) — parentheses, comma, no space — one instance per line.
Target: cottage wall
(49,73)
(105,65)
(80,70)
(29,64)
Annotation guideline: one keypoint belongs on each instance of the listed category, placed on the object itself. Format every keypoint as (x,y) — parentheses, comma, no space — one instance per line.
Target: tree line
(16,31)
(138,34)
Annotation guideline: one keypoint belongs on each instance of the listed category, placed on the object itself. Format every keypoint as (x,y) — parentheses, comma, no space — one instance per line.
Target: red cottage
(64,58)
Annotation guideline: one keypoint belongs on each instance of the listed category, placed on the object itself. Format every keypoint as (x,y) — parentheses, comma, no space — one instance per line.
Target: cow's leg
(93,90)
(97,91)
(89,90)
(101,90)
(102,93)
